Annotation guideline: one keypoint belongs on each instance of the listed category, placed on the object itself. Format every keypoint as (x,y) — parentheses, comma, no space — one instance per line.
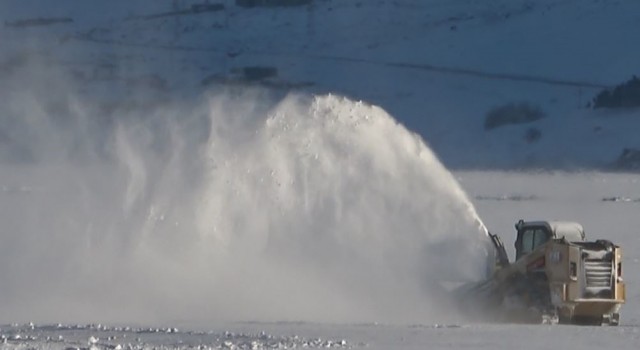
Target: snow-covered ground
(144,184)
(319,336)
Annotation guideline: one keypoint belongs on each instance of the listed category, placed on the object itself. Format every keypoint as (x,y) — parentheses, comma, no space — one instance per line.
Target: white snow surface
(141,186)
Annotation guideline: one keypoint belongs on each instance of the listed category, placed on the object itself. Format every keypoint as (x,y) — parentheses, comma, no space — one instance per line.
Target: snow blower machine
(557,277)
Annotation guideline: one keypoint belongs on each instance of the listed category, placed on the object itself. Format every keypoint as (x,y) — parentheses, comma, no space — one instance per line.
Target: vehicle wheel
(564,316)
(612,319)
(564,319)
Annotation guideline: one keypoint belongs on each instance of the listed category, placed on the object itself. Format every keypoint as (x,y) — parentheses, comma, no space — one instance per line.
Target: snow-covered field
(144,182)
(301,335)
(309,335)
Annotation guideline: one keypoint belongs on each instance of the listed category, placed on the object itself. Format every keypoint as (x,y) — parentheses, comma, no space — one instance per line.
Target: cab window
(533,238)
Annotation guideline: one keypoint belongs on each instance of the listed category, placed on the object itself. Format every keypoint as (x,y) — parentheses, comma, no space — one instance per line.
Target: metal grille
(598,273)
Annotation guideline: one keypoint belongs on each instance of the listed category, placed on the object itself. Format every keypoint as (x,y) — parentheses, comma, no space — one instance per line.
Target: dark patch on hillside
(629,159)
(271,3)
(195,9)
(263,76)
(625,95)
(514,113)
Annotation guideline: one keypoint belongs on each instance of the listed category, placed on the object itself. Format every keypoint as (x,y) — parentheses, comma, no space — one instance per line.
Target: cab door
(530,238)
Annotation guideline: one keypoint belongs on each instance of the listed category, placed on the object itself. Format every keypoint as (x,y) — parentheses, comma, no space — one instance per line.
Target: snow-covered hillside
(437,66)
(279,176)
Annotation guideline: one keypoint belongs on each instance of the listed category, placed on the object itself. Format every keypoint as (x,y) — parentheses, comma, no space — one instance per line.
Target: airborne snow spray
(233,207)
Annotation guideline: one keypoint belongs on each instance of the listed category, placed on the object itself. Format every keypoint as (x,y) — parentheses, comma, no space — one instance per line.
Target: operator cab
(532,234)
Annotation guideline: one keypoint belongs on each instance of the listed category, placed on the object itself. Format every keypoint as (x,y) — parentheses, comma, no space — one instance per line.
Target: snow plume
(233,207)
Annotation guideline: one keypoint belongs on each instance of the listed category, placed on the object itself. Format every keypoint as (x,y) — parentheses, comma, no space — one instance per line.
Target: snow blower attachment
(557,277)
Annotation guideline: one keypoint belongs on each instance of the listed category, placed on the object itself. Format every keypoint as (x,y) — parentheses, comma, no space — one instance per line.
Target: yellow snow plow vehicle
(557,277)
